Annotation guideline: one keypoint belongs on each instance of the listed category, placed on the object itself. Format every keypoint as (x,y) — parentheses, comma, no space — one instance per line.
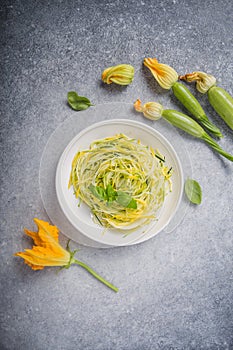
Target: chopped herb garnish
(109,194)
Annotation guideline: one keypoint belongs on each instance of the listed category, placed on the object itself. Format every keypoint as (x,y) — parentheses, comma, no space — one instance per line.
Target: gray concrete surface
(176,289)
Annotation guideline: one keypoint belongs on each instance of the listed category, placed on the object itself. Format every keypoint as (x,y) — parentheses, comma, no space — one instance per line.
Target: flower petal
(46,231)
(153,110)
(165,75)
(47,251)
(34,267)
(121,74)
(38,256)
(34,236)
(204,81)
(138,105)
(150,110)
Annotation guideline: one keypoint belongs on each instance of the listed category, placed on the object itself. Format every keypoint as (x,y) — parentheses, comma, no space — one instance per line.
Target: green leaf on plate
(111,193)
(132,204)
(193,191)
(78,103)
(126,200)
(98,192)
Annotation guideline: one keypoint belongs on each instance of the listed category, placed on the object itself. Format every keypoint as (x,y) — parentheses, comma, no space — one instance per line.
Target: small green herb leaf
(132,204)
(193,191)
(111,193)
(126,200)
(98,192)
(76,102)
(123,198)
(101,192)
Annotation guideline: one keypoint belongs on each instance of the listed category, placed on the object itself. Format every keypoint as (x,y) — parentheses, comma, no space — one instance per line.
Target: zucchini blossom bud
(165,75)
(203,80)
(151,110)
(122,74)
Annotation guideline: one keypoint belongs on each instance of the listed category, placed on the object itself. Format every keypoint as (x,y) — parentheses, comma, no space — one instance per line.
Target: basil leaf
(98,192)
(126,200)
(193,191)
(123,198)
(76,102)
(132,204)
(101,192)
(111,193)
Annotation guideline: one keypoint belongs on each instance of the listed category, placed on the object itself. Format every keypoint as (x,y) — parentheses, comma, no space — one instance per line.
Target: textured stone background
(176,289)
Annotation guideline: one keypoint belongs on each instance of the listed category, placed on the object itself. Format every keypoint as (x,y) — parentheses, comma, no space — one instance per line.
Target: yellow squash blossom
(165,75)
(48,252)
(151,110)
(203,80)
(122,74)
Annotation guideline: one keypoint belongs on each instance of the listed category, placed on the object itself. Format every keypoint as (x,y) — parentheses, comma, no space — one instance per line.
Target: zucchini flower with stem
(167,78)
(48,252)
(219,98)
(181,121)
(121,74)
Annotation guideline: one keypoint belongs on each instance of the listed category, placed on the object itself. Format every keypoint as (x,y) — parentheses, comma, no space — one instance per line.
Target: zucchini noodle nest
(123,181)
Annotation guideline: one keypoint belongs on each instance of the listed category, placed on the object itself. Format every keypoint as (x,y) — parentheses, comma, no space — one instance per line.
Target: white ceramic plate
(80,217)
